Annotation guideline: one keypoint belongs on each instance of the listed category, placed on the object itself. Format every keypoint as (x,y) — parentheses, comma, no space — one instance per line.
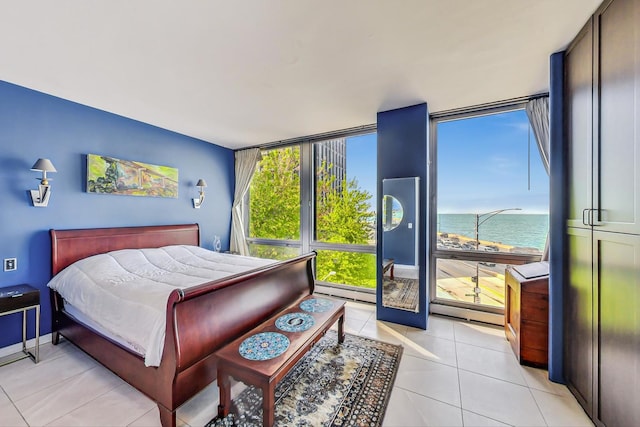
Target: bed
(199,319)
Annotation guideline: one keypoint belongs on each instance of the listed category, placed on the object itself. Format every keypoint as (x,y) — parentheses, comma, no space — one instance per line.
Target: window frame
(461,255)
(288,243)
(308,242)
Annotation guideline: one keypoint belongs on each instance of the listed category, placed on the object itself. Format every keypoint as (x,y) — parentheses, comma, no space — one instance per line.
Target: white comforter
(126,292)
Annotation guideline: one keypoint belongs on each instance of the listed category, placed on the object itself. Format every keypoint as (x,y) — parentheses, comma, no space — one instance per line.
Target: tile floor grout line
(95,365)
(435,336)
(455,349)
(542,388)
(405,342)
(460,385)
(538,406)
(42,361)
(480,346)
(494,378)
(490,418)
(143,415)
(486,348)
(406,331)
(428,397)
(429,360)
(66,379)
(14,405)
(94,399)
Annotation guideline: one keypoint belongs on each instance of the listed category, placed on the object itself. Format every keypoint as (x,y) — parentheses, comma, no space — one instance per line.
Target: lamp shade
(201,183)
(43,165)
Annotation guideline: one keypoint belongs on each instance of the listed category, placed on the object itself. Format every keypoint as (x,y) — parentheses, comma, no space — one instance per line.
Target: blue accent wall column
(557,214)
(402,152)
(34,125)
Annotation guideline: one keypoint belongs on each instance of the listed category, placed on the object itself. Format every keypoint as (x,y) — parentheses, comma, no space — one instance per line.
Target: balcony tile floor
(456,373)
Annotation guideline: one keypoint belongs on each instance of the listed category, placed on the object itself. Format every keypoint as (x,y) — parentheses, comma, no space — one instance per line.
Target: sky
(362,162)
(482,165)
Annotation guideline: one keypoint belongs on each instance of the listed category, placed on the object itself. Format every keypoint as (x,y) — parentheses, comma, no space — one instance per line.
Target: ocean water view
(520,230)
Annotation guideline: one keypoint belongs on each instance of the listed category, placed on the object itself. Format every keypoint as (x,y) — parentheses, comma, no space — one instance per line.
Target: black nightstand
(20,298)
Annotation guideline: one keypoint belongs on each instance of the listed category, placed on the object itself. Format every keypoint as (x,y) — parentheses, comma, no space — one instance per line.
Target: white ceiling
(242,73)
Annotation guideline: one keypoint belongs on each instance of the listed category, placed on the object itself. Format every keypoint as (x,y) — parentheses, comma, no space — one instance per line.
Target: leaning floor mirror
(400,266)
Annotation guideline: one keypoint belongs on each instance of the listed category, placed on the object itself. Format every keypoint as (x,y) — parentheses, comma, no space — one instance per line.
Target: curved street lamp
(489,215)
(485,217)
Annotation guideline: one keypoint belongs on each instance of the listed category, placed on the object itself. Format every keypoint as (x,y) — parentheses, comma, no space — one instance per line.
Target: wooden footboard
(199,320)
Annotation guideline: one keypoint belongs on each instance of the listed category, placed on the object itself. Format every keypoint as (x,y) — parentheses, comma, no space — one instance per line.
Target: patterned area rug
(400,293)
(335,384)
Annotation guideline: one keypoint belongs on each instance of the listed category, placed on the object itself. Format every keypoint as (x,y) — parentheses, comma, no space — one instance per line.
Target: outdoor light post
(481,219)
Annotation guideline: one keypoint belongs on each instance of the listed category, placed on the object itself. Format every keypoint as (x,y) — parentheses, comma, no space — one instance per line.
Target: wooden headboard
(69,246)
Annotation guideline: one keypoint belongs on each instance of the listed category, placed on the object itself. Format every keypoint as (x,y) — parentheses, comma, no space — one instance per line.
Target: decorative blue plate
(316,305)
(264,346)
(294,322)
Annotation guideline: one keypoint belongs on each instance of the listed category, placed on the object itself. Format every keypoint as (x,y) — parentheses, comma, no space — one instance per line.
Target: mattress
(79,317)
(125,292)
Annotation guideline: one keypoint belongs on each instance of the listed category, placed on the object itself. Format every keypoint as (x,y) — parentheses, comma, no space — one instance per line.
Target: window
(274,205)
(346,268)
(319,196)
(491,205)
(345,210)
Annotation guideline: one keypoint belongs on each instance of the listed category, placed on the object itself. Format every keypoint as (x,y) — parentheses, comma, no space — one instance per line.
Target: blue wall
(558,198)
(402,152)
(33,125)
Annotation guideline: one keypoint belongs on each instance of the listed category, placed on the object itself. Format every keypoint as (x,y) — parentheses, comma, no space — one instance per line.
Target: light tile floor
(455,373)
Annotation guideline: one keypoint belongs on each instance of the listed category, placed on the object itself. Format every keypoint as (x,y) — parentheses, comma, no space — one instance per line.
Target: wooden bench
(261,342)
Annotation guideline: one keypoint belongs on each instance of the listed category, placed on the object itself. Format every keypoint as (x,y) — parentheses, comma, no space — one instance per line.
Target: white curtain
(538,113)
(246,161)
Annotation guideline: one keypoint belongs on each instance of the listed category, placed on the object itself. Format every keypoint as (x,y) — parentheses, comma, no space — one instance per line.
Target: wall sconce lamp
(198,202)
(40,197)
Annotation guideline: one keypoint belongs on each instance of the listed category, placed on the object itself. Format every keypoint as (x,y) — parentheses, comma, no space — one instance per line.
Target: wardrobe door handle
(591,221)
(585,222)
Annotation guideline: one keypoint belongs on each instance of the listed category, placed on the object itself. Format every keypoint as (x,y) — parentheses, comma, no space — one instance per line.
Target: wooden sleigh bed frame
(200,319)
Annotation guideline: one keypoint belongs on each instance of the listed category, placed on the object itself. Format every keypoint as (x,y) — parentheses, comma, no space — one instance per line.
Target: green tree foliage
(275,196)
(342,216)
(351,268)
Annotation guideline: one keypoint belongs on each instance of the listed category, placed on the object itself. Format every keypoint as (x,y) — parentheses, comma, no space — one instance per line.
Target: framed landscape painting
(108,175)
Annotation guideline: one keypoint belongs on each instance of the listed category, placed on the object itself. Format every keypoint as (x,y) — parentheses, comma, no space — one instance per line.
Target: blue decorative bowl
(316,305)
(264,346)
(295,322)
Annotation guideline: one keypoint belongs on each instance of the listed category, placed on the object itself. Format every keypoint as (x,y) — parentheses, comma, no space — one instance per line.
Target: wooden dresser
(527,312)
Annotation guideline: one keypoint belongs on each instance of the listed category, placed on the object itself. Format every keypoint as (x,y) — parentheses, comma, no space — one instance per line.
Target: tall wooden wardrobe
(602,290)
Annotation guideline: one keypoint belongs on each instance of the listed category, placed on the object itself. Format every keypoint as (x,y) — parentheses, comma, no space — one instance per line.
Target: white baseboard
(468,314)
(346,293)
(445,310)
(17,348)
